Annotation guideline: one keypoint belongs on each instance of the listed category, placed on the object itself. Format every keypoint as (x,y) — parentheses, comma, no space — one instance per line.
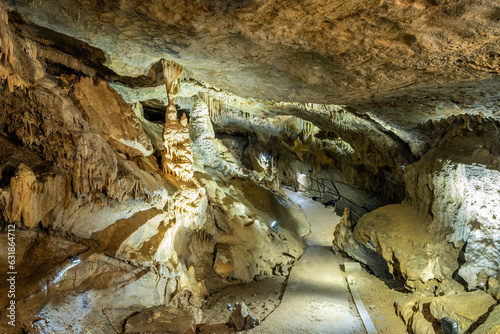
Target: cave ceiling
(385,57)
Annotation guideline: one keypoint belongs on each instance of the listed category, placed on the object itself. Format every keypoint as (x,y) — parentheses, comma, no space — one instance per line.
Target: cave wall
(165,186)
(456,185)
(83,173)
(446,231)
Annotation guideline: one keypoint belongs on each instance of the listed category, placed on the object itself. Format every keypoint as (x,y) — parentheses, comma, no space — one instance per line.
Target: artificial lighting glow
(73,261)
(274,226)
(302,178)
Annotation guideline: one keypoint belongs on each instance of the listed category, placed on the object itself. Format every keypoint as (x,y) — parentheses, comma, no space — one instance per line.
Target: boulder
(495,293)
(414,254)
(414,311)
(492,323)
(494,288)
(344,242)
(470,309)
(161,319)
(242,319)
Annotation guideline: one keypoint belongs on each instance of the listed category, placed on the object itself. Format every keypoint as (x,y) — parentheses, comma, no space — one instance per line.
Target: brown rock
(400,235)
(161,320)
(470,309)
(108,113)
(495,292)
(344,242)
(34,196)
(341,53)
(414,310)
(241,318)
(223,264)
(492,323)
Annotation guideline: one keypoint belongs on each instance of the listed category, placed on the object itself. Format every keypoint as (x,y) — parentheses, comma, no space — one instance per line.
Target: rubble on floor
(241,318)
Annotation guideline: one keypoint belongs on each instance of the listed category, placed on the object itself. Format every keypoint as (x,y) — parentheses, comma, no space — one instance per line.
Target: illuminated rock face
(112,117)
(30,200)
(414,254)
(77,161)
(457,185)
(452,206)
(163,211)
(177,159)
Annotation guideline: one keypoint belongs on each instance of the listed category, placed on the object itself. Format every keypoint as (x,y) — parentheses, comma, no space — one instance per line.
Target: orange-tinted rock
(110,115)
(161,320)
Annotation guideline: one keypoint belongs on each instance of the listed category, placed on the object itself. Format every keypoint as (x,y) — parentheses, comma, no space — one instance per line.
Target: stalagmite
(177,157)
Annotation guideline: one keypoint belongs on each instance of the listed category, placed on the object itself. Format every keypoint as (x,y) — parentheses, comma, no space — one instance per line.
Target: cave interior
(264,166)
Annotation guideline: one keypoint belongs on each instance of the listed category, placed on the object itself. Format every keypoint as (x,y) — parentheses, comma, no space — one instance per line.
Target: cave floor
(316,298)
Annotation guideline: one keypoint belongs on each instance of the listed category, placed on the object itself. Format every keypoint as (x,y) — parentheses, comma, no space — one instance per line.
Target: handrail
(319,187)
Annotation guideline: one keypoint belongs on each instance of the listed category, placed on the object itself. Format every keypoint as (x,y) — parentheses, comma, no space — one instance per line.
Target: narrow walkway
(316,299)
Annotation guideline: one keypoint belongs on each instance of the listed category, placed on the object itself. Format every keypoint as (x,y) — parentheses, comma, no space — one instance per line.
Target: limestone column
(177,159)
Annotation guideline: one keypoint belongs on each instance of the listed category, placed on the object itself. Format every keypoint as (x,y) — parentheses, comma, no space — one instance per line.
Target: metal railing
(326,189)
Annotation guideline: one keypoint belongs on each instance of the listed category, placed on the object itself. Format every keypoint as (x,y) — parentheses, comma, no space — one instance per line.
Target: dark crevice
(461,262)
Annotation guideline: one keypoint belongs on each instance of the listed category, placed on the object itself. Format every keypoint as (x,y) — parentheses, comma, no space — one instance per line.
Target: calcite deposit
(457,185)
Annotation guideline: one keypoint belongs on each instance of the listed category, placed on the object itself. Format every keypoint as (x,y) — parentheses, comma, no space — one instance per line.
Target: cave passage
(315,299)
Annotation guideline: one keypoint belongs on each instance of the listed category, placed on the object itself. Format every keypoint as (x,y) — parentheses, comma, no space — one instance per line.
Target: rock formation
(163,320)
(152,140)
(423,314)
(457,185)
(80,176)
(241,318)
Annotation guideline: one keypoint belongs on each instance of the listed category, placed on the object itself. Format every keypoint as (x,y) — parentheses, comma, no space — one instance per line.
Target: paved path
(316,299)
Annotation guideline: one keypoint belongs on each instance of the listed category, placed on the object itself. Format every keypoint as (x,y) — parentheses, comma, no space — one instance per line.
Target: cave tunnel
(257,166)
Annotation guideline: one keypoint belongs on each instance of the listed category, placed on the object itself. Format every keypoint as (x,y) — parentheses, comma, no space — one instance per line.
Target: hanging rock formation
(177,160)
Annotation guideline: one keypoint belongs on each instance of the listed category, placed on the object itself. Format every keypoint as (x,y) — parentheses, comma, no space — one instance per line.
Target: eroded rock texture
(469,310)
(457,185)
(451,212)
(153,140)
(85,173)
(412,251)
(321,51)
